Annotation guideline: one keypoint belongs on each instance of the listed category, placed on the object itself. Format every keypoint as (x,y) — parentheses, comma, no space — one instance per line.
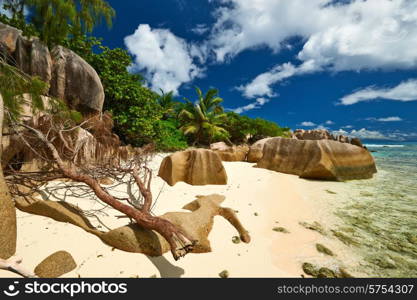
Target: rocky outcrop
(13,146)
(230,153)
(198,223)
(256,151)
(323,134)
(195,167)
(56,265)
(95,144)
(316,134)
(317,159)
(69,76)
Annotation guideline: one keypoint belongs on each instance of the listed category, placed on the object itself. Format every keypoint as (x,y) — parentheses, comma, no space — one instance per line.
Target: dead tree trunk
(179,241)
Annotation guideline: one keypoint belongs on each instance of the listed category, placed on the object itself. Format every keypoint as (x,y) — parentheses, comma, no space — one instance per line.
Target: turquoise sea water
(379,216)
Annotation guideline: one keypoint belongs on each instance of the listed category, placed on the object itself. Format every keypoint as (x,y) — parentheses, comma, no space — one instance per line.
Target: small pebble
(224,274)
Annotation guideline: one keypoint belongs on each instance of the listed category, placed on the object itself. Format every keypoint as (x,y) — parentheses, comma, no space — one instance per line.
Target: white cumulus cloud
(364,134)
(308,124)
(254,105)
(167,60)
(387,119)
(262,84)
(367,134)
(405,91)
(350,36)
(390,119)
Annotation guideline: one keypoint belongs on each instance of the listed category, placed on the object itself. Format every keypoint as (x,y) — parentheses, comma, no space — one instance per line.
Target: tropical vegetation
(141,116)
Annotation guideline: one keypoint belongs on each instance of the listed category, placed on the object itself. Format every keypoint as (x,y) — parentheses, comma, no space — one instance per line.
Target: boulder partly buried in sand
(56,265)
(195,167)
(256,151)
(136,239)
(317,159)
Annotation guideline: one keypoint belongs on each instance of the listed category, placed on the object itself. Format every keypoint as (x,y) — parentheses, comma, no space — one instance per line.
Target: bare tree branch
(180,242)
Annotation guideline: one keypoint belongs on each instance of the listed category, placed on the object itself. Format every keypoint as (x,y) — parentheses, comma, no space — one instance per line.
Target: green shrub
(169,137)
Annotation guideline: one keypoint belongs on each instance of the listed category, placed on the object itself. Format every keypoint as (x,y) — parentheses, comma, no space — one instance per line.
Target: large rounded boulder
(75,81)
(195,167)
(69,76)
(317,159)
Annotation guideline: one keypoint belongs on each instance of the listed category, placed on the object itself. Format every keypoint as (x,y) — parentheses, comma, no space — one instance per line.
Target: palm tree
(168,104)
(204,118)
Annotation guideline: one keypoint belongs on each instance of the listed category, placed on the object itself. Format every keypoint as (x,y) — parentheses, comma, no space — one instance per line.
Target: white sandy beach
(264,200)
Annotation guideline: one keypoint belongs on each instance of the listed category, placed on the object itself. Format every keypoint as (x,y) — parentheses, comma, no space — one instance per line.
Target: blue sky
(349,66)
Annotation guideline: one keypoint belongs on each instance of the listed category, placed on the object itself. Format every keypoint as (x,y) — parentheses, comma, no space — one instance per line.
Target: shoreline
(264,200)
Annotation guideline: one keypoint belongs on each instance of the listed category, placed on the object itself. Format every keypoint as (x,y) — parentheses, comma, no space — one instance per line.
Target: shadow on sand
(166,269)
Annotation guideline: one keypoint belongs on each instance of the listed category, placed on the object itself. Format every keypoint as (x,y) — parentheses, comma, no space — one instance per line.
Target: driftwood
(57,145)
(90,154)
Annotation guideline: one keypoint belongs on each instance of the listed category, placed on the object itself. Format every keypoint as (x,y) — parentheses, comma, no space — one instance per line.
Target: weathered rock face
(195,167)
(40,61)
(70,77)
(227,153)
(75,81)
(8,37)
(323,159)
(256,151)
